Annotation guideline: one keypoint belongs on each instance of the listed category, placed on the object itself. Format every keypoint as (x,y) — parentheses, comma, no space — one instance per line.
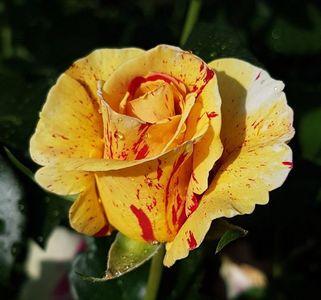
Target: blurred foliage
(39,39)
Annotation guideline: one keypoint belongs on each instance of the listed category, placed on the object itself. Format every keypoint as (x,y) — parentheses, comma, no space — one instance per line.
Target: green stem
(155,274)
(191,18)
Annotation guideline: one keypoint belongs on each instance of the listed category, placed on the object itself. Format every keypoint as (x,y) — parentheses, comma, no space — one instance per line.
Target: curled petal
(99,65)
(209,148)
(164,59)
(255,160)
(128,138)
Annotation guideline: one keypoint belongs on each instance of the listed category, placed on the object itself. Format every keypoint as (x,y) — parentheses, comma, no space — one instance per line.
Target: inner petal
(154,106)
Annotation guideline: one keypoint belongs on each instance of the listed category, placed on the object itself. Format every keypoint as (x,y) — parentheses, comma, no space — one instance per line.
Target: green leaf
(19,165)
(230,236)
(310,136)
(12,219)
(219,227)
(131,286)
(124,256)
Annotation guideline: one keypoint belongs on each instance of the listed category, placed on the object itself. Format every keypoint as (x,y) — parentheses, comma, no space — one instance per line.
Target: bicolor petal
(100,65)
(87,214)
(57,180)
(166,60)
(69,126)
(256,159)
(137,199)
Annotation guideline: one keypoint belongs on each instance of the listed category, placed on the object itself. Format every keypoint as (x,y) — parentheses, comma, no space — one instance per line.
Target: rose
(157,144)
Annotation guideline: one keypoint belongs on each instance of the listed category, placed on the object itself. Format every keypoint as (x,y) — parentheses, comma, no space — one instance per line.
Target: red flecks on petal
(258,76)
(209,75)
(137,81)
(152,205)
(143,127)
(59,135)
(159,76)
(142,153)
(289,164)
(137,193)
(179,200)
(148,181)
(135,84)
(176,166)
(191,240)
(211,114)
(159,169)
(174,215)
(142,131)
(123,155)
(202,66)
(177,219)
(193,177)
(195,202)
(102,232)
(144,223)
(256,123)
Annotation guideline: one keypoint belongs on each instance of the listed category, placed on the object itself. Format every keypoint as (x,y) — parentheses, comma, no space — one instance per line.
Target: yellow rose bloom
(157,144)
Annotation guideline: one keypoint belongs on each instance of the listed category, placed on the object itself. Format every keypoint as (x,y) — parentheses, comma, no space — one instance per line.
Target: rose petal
(99,65)
(87,214)
(140,195)
(127,138)
(154,106)
(59,181)
(209,149)
(254,109)
(172,61)
(69,126)
(255,158)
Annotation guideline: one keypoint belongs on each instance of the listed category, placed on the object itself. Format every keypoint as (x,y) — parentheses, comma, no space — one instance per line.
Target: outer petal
(59,181)
(137,199)
(255,159)
(87,214)
(254,107)
(69,126)
(209,149)
(99,65)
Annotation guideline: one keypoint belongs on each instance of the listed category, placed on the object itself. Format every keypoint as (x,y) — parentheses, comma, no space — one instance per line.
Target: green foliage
(126,255)
(92,262)
(228,237)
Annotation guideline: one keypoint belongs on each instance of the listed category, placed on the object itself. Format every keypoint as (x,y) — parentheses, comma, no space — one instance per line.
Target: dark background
(40,39)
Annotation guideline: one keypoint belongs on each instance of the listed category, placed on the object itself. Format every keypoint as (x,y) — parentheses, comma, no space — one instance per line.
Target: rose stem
(191,18)
(155,274)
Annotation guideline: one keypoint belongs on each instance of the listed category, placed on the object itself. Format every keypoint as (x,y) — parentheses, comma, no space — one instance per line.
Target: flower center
(154,98)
